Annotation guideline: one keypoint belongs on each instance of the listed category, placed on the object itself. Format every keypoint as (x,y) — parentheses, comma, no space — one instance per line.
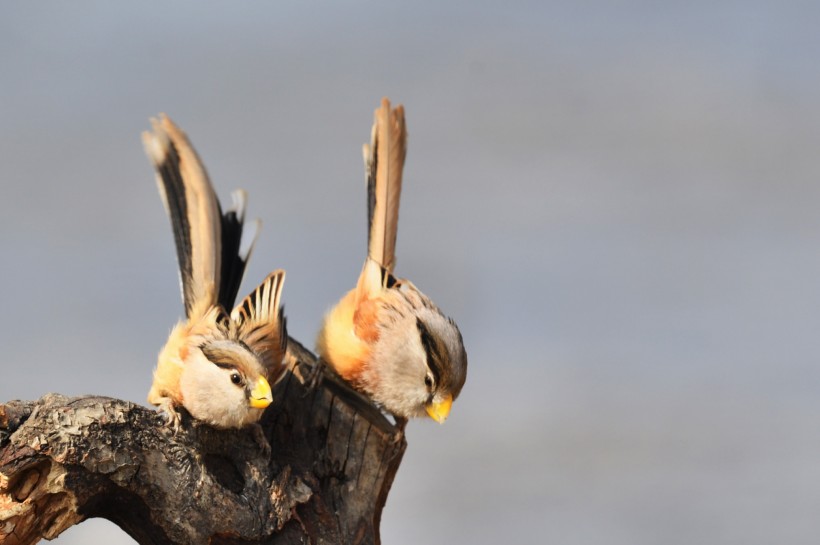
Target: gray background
(618,201)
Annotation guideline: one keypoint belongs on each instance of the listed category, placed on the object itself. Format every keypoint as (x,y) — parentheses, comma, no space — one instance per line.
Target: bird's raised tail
(384,162)
(234,257)
(211,263)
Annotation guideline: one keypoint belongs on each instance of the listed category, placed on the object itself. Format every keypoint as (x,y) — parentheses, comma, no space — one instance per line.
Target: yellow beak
(438,410)
(261,395)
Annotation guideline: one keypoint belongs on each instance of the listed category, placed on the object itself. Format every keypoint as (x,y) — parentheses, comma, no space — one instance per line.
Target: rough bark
(333,458)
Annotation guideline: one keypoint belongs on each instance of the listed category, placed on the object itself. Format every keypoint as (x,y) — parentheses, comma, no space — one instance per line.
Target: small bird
(218,366)
(385,337)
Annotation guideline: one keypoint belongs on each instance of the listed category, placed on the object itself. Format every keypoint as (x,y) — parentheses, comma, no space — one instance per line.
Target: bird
(385,337)
(217,363)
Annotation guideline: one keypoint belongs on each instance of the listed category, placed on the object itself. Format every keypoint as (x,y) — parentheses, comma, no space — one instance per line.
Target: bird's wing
(260,322)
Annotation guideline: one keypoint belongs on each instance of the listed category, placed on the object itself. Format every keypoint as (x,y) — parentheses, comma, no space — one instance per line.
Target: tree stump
(326,478)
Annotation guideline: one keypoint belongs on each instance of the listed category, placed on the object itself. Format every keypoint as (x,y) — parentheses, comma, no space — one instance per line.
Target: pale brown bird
(218,366)
(385,337)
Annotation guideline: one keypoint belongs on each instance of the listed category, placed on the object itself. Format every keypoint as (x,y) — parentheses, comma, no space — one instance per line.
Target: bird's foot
(172,417)
(401,424)
(314,378)
(260,439)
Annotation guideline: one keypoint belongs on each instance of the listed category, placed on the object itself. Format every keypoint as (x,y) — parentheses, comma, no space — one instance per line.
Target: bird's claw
(172,417)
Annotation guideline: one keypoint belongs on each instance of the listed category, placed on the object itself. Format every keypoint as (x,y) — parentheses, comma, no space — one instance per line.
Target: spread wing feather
(260,322)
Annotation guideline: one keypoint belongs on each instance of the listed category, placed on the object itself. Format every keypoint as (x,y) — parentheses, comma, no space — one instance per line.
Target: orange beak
(439,410)
(261,395)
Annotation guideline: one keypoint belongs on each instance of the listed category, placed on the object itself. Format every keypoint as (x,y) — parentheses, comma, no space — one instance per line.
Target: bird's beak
(261,395)
(438,410)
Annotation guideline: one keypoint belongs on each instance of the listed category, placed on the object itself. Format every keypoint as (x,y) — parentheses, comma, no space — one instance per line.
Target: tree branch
(333,460)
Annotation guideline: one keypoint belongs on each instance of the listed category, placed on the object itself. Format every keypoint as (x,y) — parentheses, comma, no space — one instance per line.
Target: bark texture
(333,458)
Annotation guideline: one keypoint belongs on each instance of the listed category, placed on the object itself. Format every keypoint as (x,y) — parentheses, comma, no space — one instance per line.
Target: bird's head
(422,365)
(223,383)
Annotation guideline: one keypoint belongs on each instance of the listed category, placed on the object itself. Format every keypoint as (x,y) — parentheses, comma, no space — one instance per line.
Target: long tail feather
(234,258)
(384,162)
(211,264)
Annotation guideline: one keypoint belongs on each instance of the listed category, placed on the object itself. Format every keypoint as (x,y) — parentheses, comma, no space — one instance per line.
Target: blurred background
(617,201)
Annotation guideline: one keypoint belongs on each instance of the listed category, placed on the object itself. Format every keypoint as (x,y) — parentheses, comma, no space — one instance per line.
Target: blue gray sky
(617,201)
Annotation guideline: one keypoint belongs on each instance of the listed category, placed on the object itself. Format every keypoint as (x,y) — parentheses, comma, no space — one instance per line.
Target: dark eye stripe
(218,357)
(430,349)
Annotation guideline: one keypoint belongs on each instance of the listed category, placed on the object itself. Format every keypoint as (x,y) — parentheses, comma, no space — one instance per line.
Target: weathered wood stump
(332,461)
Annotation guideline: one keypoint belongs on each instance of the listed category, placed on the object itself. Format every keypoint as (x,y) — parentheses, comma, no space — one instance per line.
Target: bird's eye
(428,381)
(236,379)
